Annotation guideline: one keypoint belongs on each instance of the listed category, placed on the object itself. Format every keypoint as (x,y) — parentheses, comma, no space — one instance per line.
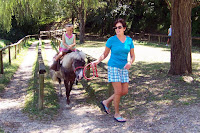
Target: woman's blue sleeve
(132,45)
(108,43)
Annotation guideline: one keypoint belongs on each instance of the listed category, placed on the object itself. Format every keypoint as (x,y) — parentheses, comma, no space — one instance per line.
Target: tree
(42,11)
(181,42)
(81,8)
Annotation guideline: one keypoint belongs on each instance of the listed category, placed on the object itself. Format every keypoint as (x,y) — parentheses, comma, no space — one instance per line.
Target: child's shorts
(117,75)
(65,50)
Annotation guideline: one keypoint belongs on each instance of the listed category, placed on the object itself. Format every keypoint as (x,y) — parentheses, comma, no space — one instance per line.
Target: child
(169,35)
(67,45)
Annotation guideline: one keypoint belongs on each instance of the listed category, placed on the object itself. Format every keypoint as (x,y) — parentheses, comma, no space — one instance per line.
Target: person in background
(67,45)
(169,35)
(120,46)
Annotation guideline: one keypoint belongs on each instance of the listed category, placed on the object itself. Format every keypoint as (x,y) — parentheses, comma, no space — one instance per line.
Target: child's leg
(58,56)
(54,65)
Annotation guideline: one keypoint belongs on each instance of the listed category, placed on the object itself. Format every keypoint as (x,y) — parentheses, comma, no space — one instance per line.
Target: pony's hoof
(68,106)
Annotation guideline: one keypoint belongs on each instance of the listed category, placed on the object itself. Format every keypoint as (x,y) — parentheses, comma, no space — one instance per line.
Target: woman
(169,35)
(119,45)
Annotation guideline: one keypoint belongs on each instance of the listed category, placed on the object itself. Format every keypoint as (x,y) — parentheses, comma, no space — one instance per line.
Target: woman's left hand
(127,66)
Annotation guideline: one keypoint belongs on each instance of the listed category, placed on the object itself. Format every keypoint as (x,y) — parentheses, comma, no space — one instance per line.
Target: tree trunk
(82,23)
(73,18)
(181,40)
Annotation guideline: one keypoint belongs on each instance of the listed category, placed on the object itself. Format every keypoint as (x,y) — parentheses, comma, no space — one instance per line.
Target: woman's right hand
(96,62)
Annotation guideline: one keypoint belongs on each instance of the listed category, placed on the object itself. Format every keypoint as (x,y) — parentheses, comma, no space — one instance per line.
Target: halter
(94,68)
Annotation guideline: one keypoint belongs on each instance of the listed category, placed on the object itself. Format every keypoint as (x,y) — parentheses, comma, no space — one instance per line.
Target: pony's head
(75,61)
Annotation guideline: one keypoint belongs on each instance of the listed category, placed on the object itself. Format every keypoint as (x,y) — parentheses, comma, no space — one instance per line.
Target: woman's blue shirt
(119,51)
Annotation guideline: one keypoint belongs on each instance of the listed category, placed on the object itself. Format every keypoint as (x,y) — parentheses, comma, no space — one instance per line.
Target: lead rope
(94,69)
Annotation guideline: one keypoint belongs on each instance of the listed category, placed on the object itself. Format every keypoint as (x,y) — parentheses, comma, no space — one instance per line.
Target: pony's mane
(67,60)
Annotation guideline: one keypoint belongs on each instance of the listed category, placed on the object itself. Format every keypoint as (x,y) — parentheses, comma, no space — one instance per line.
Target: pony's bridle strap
(78,68)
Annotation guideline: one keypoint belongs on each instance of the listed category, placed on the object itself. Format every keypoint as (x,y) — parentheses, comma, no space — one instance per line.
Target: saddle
(57,64)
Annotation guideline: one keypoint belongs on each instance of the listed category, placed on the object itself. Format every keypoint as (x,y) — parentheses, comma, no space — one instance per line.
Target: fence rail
(137,36)
(42,72)
(17,46)
(154,37)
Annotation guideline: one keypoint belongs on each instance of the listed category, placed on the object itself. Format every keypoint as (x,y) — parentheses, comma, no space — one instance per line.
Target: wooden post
(88,69)
(110,89)
(15,51)
(18,49)
(149,38)
(1,62)
(42,71)
(158,39)
(41,91)
(20,46)
(9,56)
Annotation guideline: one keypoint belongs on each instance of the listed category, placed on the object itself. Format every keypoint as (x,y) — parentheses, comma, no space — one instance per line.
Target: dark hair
(120,20)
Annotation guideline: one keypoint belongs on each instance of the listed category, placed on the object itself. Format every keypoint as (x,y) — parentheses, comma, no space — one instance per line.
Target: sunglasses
(119,27)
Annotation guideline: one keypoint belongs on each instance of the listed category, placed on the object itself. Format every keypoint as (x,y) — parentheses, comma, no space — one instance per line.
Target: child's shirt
(68,40)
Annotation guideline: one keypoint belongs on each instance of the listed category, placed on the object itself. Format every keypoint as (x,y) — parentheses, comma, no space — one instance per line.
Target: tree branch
(169,4)
(195,4)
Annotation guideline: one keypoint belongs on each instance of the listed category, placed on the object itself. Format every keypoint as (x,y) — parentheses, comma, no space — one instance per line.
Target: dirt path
(87,118)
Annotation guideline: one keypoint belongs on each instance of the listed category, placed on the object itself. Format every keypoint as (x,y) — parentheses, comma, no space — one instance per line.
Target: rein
(94,69)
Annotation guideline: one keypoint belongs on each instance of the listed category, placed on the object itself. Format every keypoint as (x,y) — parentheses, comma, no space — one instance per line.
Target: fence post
(149,38)
(41,91)
(15,51)
(18,49)
(88,69)
(110,89)
(9,55)
(42,71)
(158,39)
(1,61)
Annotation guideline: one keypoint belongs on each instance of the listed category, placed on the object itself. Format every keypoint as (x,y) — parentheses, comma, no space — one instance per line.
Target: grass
(9,70)
(51,105)
(3,43)
(195,49)
(150,86)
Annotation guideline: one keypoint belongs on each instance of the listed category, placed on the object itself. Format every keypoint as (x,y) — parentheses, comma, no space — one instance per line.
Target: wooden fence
(154,37)
(17,47)
(136,36)
(42,72)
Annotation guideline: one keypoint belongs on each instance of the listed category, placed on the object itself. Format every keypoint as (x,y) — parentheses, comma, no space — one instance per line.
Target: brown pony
(71,69)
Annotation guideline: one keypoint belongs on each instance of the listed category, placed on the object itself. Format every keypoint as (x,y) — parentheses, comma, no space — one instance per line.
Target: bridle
(87,67)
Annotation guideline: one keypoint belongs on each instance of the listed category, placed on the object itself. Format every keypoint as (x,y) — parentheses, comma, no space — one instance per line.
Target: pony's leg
(60,90)
(76,81)
(67,91)
(70,85)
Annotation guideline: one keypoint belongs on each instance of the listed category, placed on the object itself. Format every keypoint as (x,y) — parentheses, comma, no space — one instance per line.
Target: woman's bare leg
(124,92)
